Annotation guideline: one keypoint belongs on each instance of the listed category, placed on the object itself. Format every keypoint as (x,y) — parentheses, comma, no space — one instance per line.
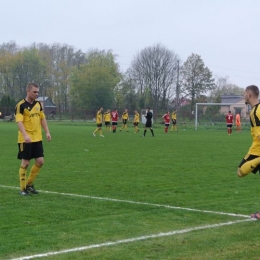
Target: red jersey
(166,118)
(114,116)
(229,119)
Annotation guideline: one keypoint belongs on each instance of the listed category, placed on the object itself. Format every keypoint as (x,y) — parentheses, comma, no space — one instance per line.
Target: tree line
(77,80)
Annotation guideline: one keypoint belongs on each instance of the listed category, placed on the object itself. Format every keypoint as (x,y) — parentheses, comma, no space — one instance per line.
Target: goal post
(208,104)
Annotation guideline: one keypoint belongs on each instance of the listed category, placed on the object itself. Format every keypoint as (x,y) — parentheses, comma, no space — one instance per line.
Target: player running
(136,121)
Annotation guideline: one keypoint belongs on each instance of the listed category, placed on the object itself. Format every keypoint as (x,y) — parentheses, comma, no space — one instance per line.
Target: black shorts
(28,151)
(167,124)
(174,122)
(249,158)
(124,121)
(107,123)
(135,123)
(148,124)
(229,125)
(99,125)
(114,123)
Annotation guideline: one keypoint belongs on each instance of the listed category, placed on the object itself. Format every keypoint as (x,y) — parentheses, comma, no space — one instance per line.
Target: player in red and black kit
(114,119)
(167,119)
(229,122)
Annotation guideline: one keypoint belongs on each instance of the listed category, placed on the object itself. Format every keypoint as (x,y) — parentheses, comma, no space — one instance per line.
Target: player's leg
(151,131)
(250,163)
(37,153)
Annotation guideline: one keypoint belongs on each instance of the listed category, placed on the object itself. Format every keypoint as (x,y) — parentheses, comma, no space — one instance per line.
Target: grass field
(174,196)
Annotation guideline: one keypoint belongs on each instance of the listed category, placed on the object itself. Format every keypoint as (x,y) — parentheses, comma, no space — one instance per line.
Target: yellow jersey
(136,118)
(99,117)
(30,115)
(107,117)
(174,115)
(255,130)
(125,115)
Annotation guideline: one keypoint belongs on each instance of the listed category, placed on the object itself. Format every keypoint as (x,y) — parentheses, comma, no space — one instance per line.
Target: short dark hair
(254,89)
(31,85)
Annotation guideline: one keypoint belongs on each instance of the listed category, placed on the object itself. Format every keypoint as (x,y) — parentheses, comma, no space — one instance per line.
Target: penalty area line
(138,203)
(131,240)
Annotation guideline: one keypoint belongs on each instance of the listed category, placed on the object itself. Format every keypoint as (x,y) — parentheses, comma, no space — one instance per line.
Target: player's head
(32,91)
(229,111)
(148,108)
(251,93)
(108,111)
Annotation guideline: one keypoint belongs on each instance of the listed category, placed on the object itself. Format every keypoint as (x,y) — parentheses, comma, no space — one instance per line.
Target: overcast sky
(225,33)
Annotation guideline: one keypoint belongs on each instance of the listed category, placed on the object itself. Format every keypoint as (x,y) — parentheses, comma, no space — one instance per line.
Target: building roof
(231,98)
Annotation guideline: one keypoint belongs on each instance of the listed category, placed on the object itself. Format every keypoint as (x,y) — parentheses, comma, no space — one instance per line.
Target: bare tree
(154,73)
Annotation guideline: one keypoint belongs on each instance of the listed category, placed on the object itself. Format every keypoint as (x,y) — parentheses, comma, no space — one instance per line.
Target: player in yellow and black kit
(124,119)
(107,120)
(174,122)
(99,123)
(30,118)
(251,162)
(136,121)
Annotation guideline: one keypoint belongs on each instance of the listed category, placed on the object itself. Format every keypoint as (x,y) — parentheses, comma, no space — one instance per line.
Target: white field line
(137,202)
(129,240)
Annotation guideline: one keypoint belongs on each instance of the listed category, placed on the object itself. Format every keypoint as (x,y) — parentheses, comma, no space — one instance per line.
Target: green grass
(99,190)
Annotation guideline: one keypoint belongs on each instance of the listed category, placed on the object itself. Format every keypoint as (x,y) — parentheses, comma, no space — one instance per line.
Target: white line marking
(129,240)
(138,203)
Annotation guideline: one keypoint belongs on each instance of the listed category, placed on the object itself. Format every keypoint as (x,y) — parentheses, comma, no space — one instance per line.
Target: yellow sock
(22,174)
(248,166)
(33,173)
(100,132)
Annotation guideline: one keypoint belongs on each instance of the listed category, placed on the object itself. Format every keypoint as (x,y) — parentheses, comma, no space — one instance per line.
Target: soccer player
(229,122)
(166,118)
(238,123)
(30,118)
(99,123)
(136,121)
(251,162)
(174,121)
(125,118)
(148,124)
(107,120)
(114,118)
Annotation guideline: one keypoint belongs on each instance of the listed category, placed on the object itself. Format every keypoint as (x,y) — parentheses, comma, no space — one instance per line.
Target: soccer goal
(231,106)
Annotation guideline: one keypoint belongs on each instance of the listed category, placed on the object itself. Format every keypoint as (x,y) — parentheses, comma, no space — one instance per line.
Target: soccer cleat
(24,193)
(30,188)
(255,216)
(93,134)
(102,136)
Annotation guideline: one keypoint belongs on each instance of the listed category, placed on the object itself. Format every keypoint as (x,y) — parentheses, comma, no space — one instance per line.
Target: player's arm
(46,129)
(26,137)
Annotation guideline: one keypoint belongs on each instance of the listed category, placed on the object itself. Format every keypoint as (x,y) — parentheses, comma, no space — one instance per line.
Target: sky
(225,33)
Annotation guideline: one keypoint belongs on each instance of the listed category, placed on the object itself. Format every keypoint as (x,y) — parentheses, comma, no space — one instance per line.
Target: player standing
(136,121)
(107,120)
(114,118)
(125,118)
(30,118)
(238,123)
(99,123)
(229,122)
(148,124)
(166,118)
(174,121)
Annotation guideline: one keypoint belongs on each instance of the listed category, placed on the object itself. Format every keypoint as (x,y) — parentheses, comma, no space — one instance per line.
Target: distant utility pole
(177,87)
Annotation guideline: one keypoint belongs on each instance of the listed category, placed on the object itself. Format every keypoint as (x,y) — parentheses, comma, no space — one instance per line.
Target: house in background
(237,105)
(47,105)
